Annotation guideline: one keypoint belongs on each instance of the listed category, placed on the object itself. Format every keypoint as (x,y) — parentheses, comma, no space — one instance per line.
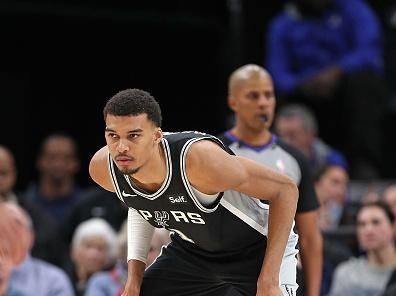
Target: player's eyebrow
(131,131)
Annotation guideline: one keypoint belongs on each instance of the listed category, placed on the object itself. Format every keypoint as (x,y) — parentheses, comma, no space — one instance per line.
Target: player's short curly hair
(133,102)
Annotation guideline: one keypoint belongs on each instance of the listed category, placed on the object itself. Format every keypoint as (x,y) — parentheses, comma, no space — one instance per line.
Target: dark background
(61,60)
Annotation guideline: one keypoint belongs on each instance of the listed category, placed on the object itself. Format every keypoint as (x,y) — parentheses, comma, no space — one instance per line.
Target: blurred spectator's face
(155,248)
(389,197)
(7,172)
(91,255)
(253,102)
(15,234)
(292,130)
(374,230)
(58,159)
(333,185)
(15,240)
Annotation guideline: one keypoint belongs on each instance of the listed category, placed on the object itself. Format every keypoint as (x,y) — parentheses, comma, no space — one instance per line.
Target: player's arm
(311,244)
(98,169)
(210,169)
(140,233)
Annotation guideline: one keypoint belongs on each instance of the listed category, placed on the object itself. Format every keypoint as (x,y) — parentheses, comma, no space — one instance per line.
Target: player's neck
(252,137)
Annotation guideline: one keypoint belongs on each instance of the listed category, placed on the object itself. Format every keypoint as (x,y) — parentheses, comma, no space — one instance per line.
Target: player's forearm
(281,217)
(135,276)
(312,261)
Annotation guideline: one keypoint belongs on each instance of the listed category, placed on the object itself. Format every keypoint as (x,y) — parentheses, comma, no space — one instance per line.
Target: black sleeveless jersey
(231,224)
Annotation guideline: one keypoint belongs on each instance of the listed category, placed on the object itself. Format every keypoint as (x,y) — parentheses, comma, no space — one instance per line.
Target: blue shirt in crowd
(12,291)
(58,207)
(348,35)
(108,283)
(40,278)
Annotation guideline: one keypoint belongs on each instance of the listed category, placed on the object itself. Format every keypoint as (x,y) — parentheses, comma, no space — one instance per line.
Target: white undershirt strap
(205,199)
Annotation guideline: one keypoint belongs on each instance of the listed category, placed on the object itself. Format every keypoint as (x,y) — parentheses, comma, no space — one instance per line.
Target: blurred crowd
(67,240)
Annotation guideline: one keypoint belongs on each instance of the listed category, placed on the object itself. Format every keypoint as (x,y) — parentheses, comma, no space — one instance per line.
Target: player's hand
(128,293)
(130,290)
(268,289)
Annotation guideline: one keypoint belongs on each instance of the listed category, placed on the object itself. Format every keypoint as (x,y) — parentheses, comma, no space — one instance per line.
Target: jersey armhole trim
(113,178)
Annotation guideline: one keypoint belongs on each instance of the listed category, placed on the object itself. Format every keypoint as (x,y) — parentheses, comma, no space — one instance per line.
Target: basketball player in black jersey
(225,242)
(251,97)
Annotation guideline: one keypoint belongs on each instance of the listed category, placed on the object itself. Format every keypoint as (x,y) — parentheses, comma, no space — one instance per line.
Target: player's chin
(128,170)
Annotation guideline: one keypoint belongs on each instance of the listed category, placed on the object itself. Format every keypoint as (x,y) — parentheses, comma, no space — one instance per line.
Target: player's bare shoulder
(98,169)
(205,153)
(210,168)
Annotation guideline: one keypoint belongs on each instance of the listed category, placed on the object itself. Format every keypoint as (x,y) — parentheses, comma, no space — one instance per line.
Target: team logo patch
(161,218)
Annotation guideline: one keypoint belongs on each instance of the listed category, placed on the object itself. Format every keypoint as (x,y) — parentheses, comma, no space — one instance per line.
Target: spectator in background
(389,197)
(46,243)
(328,54)
(331,185)
(95,203)
(251,97)
(297,125)
(13,239)
(92,250)
(112,282)
(368,275)
(56,191)
(160,238)
(58,165)
(8,175)
(36,276)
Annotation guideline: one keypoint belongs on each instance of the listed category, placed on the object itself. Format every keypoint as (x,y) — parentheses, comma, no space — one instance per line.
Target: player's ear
(158,135)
